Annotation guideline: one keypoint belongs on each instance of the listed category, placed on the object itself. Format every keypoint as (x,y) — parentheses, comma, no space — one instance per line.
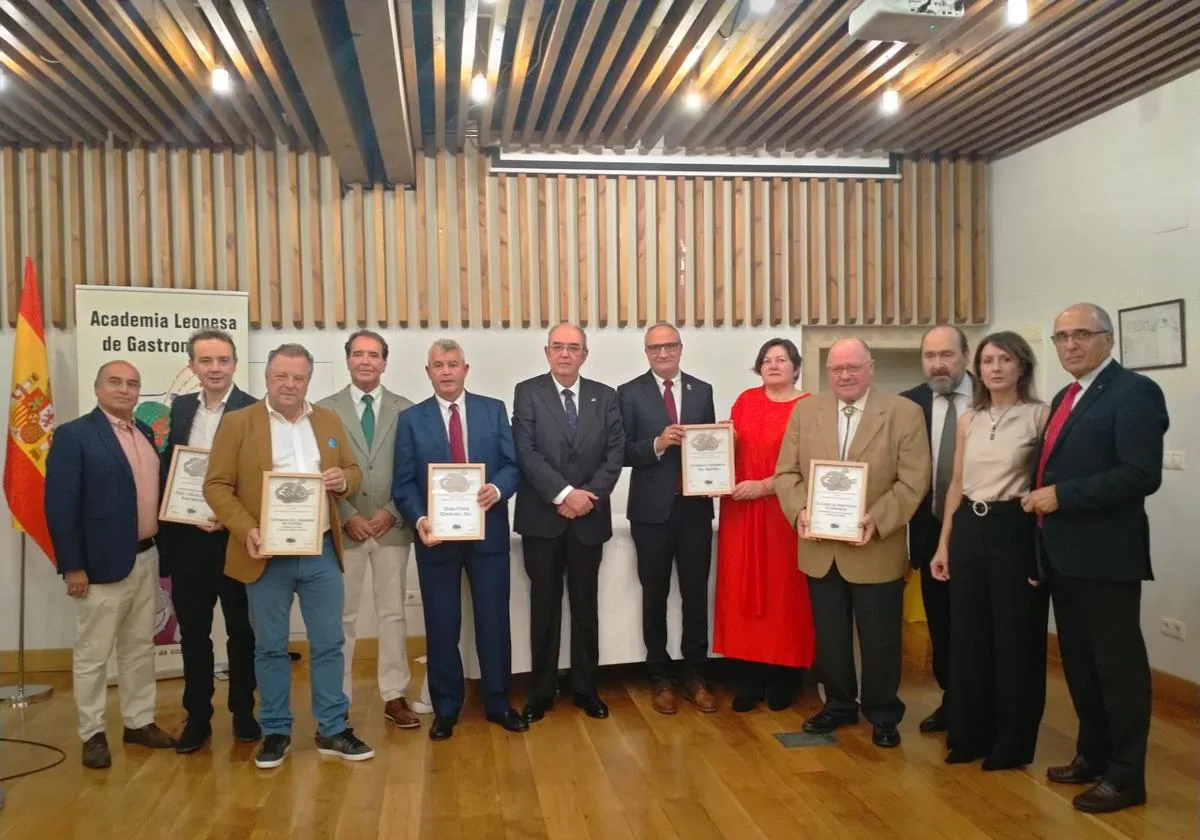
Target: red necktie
(1054,428)
(458,452)
(669,402)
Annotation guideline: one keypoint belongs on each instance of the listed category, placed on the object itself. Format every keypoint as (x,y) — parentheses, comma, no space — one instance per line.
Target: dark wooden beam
(376,41)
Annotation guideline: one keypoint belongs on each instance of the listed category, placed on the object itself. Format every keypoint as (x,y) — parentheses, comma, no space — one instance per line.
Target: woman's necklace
(996,420)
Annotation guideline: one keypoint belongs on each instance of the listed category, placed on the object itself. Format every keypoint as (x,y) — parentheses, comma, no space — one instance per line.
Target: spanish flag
(30,420)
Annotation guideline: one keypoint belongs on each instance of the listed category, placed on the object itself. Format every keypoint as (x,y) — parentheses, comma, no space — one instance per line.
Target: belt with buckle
(145,545)
(980,508)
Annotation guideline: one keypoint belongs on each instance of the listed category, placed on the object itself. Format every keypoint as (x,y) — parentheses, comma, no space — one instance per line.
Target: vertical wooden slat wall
(472,248)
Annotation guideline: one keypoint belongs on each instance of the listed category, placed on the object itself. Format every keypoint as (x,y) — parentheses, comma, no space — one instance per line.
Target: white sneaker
(420,708)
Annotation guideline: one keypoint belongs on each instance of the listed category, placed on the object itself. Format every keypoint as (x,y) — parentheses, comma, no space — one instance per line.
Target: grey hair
(448,345)
(1098,312)
(853,340)
(560,324)
(291,351)
(206,335)
(668,325)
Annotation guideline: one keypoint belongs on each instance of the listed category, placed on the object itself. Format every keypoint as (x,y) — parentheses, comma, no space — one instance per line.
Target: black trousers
(684,542)
(998,662)
(1108,672)
(546,562)
(877,609)
(197,583)
(936,596)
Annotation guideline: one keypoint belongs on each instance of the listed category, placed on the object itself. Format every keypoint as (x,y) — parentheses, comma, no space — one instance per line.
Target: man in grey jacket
(375,532)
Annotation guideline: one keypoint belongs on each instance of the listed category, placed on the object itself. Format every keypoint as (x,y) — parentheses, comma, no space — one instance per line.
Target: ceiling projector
(907,21)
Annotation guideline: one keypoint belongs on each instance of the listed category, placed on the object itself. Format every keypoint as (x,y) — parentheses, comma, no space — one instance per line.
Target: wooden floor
(638,774)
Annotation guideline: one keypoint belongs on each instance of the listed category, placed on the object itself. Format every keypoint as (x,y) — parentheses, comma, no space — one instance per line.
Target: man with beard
(943,398)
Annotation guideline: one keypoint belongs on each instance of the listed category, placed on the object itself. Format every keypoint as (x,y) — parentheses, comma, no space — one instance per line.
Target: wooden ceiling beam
(294,106)
(612,45)
(375,32)
(69,122)
(544,72)
(440,79)
(590,27)
(1125,43)
(526,33)
(672,77)
(496,33)
(27,126)
(466,70)
(408,68)
(299,29)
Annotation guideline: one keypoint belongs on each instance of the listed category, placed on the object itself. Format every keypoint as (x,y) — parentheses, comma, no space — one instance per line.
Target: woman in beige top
(987,551)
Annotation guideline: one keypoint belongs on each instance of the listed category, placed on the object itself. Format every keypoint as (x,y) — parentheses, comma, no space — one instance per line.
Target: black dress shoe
(826,721)
(442,728)
(536,709)
(592,705)
(246,729)
(510,720)
(1106,797)
(193,737)
(936,722)
(1079,772)
(886,735)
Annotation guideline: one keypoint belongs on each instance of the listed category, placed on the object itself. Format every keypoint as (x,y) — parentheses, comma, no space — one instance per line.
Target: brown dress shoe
(664,698)
(149,736)
(700,695)
(1106,797)
(95,752)
(397,712)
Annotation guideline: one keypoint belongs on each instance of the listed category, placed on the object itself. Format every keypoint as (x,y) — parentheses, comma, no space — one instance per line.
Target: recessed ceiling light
(890,103)
(479,89)
(693,101)
(222,82)
(761,7)
(1017,12)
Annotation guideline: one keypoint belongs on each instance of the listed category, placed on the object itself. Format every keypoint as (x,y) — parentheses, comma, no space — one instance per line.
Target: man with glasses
(570,449)
(1100,458)
(668,528)
(862,582)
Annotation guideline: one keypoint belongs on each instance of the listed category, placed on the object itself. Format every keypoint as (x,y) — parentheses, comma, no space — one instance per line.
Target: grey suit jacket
(376,462)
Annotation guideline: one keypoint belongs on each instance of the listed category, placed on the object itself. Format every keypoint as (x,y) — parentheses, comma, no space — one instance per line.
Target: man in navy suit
(668,528)
(194,556)
(1100,458)
(102,510)
(453,426)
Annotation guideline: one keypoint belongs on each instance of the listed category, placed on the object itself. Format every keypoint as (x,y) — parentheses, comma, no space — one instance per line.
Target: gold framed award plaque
(837,499)
(293,513)
(707,452)
(453,507)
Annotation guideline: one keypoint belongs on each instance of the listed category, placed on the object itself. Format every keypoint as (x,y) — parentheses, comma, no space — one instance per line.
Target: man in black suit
(193,556)
(570,448)
(668,527)
(1100,458)
(944,357)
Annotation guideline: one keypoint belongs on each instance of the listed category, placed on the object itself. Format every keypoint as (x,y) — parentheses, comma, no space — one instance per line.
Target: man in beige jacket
(858,582)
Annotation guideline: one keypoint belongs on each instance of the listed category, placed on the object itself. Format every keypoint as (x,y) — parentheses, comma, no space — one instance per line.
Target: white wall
(1109,212)
(498,358)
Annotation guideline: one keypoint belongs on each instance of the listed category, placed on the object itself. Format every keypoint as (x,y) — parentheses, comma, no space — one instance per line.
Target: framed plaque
(1153,336)
(452,507)
(707,452)
(183,497)
(837,499)
(293,513)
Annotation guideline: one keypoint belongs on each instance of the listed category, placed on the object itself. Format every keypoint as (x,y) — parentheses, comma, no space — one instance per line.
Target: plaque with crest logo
(294,513)
(707,451)
(453,504)
(837,499)
(183,497)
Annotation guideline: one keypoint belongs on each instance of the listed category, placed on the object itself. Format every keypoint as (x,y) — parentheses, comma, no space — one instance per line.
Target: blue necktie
(572,411)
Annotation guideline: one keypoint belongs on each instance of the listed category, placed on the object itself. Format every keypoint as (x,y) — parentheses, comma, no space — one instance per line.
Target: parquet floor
(636,775)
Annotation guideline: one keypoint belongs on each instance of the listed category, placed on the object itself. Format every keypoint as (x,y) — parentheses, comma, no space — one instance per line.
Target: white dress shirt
(359,406)
(848,426)
(937,412)
(574,389)
(1085,382)
(294,445)
(204,425)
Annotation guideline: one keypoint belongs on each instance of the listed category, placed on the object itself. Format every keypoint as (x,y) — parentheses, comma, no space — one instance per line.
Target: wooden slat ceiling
(375,82)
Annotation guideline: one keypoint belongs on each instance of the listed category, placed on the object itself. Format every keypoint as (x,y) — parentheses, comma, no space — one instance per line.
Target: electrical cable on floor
(62,756)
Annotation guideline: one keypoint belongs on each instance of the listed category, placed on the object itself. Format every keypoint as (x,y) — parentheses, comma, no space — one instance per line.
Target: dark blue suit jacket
(91,499)
(421,440)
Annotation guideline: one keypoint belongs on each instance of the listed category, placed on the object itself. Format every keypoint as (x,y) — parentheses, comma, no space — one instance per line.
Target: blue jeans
(317,580)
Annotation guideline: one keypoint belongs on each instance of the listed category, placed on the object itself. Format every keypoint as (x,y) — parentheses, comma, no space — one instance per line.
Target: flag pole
(21,695)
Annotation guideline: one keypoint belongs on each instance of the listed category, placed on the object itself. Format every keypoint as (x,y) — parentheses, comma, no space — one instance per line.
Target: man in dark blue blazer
(102,495)
(668,528)
(193,556)
(456,427)
(1100,458)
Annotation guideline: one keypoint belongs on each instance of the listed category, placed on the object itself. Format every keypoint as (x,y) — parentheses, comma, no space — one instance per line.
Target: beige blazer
(241,453)
(892,440)
(377,462)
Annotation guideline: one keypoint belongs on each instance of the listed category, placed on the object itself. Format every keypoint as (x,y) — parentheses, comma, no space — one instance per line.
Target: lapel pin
(333,443)
(689,386)
(593,399)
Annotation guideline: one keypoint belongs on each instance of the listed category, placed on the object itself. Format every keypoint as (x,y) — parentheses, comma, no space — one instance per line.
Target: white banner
(149,328)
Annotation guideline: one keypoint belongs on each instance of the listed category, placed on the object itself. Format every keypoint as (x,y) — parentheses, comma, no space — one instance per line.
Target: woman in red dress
(763,615)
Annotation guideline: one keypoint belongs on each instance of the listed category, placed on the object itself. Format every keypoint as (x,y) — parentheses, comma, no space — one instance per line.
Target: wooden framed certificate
(707,451)
(452,507)
(837,499)
(183,497)
(293,513)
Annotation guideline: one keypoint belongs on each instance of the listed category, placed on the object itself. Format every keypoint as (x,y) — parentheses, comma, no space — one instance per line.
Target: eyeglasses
(568,348)
(660,349)
(853,370)
(1078,336)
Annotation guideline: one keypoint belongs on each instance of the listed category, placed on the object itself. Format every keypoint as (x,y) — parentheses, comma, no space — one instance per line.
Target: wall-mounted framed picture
(1153,336)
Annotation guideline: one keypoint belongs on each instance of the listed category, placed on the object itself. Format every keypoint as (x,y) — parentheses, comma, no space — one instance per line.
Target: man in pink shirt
(102,510)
